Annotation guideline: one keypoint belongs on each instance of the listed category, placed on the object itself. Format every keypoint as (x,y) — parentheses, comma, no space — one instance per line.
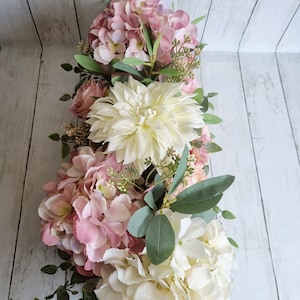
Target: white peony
(198,269)
(142,121)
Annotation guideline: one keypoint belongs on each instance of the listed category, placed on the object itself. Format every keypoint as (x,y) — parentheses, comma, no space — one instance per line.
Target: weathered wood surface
(260,135)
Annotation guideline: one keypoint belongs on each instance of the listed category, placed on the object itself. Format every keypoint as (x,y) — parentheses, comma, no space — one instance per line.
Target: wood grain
(44,160)
(267,24)
(16,26)
(277,166)
(290,41)
(220,73)
(56,22)
(16,116)
(225,25)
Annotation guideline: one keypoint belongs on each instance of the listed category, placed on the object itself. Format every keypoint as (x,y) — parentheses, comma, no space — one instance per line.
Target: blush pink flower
(85,97)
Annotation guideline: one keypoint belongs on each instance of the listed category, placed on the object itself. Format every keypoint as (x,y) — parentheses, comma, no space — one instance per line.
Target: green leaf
(216,209)
(149,199)
(88,295)
(147,39)
(158,190)
(139,221)
(67,67)
(126,68)
(62,294)
(64,138)
(63,255)
(54,137)
(202,45)
(206,169)
(199,95)
(65,266)
(212,147)
(207,216)
(180,170)
(49,269)
(169,72)
(65,97)
(88,63)
(65,150)
(160,239)
(132,61)
(156,45)
(204,105)
(78,278)
(203,195)
(226,214)
(197,20)
(210,95)
(233,242)
(50,296)
(118,78)
(211,119)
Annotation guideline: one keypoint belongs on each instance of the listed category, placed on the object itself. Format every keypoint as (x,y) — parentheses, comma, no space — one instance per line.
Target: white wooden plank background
(258,101)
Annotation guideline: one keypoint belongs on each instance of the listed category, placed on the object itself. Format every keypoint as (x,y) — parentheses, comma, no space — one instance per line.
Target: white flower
(141,122)
(198,269)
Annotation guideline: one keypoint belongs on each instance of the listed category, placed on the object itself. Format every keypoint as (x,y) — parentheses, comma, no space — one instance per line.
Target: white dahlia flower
(141,121)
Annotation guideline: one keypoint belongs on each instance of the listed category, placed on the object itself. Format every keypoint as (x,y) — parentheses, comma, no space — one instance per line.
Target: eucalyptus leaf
(158,190)
(61,293)
(63,255)
(132,61)
(207,216)
(149,199)
(197,20)
(126,68)
(160,239)
(65,97)
(180,170)
(49,269)
(118,78)
(78,278)
(65,150)
(203,195)
(211,119)
(210,95)
(226,214)
(54,137)
(88,63)
(139,221)
(204,105)
(67,67)
(65,266)
(233,242)
(198,95)
(212,147)
(169,72)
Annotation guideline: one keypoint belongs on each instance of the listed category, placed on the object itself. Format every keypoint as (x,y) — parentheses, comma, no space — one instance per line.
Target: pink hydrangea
(118,31)
(85,97)
(84,214)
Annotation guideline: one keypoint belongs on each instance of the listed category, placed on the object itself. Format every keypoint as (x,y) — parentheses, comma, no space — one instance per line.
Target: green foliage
(139,221)
(180,170)
(127,68)
(197,20)
(49,269)
(211,119)
(54,137)
(160,239)
(88,63)
(203,195)
(65,97)
(67,67)
(65,150)
(61,293)
(132,61)
(226,214)
(148,41)
(207,216)
(169,72)
(212,147)
(233,242)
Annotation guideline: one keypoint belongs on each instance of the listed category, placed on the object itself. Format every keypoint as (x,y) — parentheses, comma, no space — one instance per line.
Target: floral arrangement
(133,212)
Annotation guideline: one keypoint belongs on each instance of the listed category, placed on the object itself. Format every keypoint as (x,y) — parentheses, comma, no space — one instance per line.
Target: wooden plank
(277,165)
(16,25)
(220,73)
(56,22)
(289,67)
(290,41)
(225,25)
(268,22)
(16,115)
(44,160)
(87,11)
